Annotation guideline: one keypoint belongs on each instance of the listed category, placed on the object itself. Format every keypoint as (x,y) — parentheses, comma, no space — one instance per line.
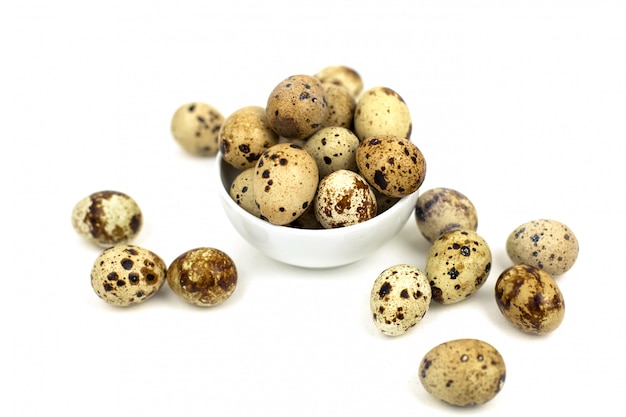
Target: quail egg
(285,181)
(530,299)
(124,275)
(547,244)
(203,276)
(457,265)
(463,372)
(382,111)
(196,126)
(344,198)
(245,135)
(441,210)
(107,218)
(333,148)
(297,107)
(399,299)
(393,165)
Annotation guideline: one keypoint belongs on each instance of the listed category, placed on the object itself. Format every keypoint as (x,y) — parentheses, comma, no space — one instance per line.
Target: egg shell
(439,210)
(393,165)
(530,299)
(341,106)
(382,111)
(107,218)
(344,198)
(547,244)
(195,127)
(203,276)
(307,220)
(245,135)
(333,148)
(463,372)
(297,107)
(457,265)
(285,182)
(344,76)
(399,299)
(125,275)
(242,192)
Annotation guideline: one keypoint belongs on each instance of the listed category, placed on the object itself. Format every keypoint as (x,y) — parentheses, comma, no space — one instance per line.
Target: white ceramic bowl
(312,248)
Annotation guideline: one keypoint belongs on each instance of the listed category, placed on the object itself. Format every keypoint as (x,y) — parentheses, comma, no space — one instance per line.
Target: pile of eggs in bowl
(319,167)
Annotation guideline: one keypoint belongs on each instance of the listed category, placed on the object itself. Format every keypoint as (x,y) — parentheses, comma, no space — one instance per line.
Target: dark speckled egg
(530,299)
(203,276)
(457,265)
(297,107)
(393,165)
(124,275)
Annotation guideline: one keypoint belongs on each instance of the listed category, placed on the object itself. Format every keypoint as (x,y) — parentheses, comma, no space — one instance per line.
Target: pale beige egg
(399,299)
(463,372)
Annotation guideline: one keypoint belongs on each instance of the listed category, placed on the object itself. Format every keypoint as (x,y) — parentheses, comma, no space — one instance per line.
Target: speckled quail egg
(333,148)
(107,218)
(441,209)
(342,75)
(530,299)
(344,198)
(203,276)
(382,111)
(245,135)
(285,182)
(547,244)
(341,106)
(463,372)
(242,192)
(297,107)
(124,275)
(196,126)
(399,299)
(457,265)
(393,165)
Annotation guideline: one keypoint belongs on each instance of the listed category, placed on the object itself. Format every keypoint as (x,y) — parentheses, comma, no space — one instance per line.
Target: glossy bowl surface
(312,248)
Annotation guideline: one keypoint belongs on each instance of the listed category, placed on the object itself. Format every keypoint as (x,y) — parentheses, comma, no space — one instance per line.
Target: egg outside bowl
(312,248)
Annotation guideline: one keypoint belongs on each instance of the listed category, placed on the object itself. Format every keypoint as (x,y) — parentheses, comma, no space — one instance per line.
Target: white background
(520,105)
